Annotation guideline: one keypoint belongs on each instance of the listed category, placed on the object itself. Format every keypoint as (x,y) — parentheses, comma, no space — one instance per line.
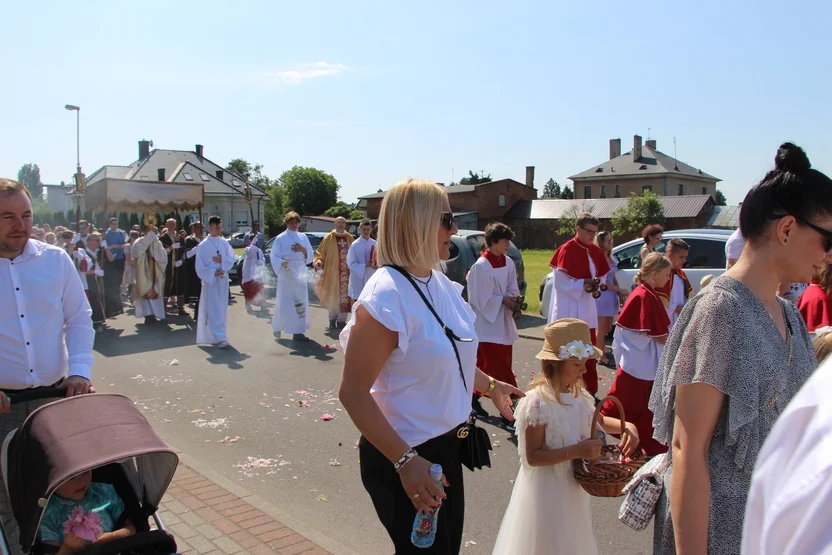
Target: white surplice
(253,265)
(291,307)
(149,245)
(358,256)
(487,286)
(211,325)
(570,300)
(677,299)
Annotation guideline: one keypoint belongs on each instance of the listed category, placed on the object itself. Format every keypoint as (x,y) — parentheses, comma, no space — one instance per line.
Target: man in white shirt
(214,257)
(46,333)
(291,252)
(791,490)
(733,248)
(361,260)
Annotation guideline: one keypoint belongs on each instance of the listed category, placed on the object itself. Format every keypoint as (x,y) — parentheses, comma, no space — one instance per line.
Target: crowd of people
(714,383)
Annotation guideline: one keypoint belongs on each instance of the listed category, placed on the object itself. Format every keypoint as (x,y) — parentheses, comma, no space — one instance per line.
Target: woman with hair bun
(735,358)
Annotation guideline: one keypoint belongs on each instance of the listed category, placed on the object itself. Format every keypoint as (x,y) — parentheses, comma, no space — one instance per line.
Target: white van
(706,256)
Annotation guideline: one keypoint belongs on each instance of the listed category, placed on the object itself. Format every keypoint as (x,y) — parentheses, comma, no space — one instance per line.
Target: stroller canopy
(74,435)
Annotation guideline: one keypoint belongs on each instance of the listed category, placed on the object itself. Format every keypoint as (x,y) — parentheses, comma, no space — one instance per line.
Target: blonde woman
(403,384)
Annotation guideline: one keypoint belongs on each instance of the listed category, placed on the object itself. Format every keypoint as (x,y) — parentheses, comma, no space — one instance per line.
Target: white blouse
(419,389)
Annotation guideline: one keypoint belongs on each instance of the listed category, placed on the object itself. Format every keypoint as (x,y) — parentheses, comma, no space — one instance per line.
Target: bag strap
(449,333)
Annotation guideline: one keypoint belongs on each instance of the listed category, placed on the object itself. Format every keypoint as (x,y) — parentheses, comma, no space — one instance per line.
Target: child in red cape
(815,304)
(640,334)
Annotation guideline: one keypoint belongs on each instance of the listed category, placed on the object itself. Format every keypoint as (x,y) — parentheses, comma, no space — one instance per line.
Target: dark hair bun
(791,158)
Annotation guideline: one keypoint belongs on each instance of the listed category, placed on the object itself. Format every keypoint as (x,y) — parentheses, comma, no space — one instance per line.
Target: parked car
(707,256)
(238,240)
(466,247)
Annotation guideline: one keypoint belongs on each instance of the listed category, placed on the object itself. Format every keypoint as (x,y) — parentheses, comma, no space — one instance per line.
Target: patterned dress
(725,337)
(343,274)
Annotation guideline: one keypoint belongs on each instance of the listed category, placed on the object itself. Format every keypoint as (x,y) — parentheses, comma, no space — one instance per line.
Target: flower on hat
(577,349)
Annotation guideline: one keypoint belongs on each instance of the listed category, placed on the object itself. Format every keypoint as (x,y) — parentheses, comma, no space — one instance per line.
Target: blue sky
(374,91)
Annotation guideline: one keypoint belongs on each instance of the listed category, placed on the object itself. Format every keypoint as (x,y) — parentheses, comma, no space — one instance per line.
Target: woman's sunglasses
(447,220)
(825,233)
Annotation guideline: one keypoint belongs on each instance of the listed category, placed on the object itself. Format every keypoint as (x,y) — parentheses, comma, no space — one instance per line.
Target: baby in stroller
(93,497)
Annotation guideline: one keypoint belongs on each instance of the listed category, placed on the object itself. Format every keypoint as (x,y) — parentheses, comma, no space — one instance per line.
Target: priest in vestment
(361,260)
(149,259)
(577,264)
(333,286)
(214,257)
(290,254)
(493,294)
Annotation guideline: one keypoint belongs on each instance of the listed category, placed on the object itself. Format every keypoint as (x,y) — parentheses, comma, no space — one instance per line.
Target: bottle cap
(436,472)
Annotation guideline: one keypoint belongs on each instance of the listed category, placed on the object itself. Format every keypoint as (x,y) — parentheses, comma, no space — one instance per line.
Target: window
(501,200)
(236,183)
(454,250)
(704,190)
(188,177)
(618,190)
(477,244)
(603,191)
(587,191)
(646,188)
(242,218)
(706,253)
(204,177)
(628,258)
(681,189)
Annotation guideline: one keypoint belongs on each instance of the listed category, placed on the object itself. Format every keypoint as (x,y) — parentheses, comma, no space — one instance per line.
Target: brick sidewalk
(206,519)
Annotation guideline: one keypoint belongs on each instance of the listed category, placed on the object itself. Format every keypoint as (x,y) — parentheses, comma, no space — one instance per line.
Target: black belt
(13,391)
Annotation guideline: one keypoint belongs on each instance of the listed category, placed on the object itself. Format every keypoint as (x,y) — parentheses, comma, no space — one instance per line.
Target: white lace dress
(549,512)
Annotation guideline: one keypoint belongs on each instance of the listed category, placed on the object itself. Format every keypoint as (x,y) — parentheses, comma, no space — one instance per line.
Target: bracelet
(492,384)
(408,456)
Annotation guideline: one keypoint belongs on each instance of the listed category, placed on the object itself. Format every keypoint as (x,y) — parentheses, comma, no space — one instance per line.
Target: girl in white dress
(549,512)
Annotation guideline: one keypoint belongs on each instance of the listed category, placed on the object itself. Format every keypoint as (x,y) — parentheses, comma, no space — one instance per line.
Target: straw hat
(706,281)
(567,338)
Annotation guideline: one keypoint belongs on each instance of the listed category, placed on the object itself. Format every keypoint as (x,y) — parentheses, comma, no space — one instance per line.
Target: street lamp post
(79,175)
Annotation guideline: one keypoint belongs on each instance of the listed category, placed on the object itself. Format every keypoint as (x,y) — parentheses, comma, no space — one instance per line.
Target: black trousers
(394,508)
(113,274)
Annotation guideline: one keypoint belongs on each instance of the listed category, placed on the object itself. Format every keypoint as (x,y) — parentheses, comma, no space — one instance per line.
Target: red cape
(664,292)
(573,258)
(815,306)
(495,260)
(644,312)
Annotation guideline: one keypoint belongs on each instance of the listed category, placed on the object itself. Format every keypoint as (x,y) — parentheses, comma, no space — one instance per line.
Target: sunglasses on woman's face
(447,220)
(824,233)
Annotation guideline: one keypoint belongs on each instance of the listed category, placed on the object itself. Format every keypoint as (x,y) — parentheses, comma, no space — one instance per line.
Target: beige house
(642,169)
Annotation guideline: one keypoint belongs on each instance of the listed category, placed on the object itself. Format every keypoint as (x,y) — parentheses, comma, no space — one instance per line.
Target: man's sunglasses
(825,233)
(447,220)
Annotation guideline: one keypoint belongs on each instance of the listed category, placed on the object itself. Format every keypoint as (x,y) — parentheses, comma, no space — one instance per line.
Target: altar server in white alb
(214,257)
(291,253)
(361,260)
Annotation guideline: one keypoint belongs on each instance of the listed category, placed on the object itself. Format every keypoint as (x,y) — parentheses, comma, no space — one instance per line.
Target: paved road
(254,415)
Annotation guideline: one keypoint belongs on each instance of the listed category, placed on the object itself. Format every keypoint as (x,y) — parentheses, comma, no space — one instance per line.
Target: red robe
(815,306)
(573,258)
(664,292)
(643,312)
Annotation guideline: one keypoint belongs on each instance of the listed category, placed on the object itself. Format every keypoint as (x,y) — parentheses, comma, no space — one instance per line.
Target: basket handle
(597,416)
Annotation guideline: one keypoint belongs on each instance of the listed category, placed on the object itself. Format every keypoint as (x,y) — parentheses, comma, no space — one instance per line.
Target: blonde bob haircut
(408,225)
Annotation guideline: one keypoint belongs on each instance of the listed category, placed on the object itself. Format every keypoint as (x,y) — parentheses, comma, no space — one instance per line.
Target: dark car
(466,247)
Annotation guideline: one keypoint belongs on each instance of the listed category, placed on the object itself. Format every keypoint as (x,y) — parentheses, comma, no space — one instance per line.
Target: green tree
(186,223)
(134,220)
(345,210)
(40,211)
(567,223)
(274,209)
(309,191)
(123,221)
(639,212)
(59,218)
(567,193)
(552,189)
(720,198)
(474,179)
(29,177)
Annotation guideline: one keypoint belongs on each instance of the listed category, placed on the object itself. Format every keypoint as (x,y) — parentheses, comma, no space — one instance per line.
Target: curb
(529,336)
(312,535)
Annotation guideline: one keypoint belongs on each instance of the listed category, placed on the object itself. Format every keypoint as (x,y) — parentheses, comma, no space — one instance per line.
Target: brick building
(478,204)
(642,169)
(537,223)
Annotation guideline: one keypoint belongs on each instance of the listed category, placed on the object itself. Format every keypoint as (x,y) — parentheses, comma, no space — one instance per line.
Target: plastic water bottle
(424,526)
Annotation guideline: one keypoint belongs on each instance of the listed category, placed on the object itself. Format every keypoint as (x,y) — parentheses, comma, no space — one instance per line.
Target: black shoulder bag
(474,442)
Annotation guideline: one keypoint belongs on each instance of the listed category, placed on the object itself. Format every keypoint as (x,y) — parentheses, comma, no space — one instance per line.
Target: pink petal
(326,417)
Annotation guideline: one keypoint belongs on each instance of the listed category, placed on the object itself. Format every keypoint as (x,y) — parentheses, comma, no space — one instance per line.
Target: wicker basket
(606,479)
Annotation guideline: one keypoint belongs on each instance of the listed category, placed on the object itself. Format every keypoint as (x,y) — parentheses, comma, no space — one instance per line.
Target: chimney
(219,174)
(530,176)
(636,148)
(199,150)
(160,173)
(615,148)
(650,143)
(144,149)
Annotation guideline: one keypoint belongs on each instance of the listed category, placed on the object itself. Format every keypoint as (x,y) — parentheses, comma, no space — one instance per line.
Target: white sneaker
(222,345)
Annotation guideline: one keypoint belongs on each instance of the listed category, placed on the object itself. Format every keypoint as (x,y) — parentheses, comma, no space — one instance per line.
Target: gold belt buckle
(462,433)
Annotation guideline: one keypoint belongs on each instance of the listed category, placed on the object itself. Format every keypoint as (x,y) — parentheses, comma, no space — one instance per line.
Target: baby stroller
(102,433)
